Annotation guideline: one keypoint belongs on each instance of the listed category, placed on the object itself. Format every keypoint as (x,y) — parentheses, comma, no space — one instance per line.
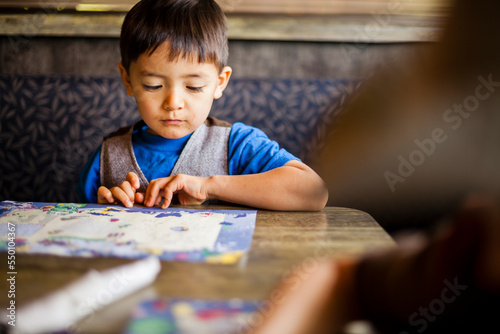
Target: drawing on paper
(186,316)
(69,229)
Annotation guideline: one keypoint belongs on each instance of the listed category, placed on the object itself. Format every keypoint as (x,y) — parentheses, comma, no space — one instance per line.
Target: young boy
(174,54)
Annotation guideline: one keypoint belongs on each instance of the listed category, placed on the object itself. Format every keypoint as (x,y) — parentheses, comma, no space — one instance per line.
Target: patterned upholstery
(49,125)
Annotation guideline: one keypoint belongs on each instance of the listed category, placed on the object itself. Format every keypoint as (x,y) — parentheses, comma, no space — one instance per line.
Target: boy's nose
(173,101)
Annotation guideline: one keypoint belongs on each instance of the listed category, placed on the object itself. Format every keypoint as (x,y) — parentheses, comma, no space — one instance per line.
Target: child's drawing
(98,230)
(189,316)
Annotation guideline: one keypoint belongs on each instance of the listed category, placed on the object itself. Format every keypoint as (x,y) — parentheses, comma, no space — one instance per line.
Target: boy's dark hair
(191,27)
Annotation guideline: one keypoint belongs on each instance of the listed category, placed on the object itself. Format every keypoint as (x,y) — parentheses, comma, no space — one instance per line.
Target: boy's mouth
(171,121)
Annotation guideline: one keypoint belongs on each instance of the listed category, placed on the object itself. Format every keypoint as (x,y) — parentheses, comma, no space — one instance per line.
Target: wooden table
(282,241)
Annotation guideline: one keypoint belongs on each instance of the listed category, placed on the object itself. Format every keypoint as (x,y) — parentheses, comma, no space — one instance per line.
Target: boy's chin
(170,134)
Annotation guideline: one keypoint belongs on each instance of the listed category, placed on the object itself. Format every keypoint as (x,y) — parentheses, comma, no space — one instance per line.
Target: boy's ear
(223,80)
(126,79)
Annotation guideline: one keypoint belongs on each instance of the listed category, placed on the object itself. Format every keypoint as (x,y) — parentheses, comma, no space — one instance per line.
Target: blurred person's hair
(394,114)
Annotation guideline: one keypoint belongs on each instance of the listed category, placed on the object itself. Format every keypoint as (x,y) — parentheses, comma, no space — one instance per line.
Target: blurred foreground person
(417,148)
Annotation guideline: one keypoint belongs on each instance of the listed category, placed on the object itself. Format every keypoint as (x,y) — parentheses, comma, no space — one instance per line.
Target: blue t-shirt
(250,152)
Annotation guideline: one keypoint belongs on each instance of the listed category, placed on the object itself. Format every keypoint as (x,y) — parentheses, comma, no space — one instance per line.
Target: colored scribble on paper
(189,316)
(214,236)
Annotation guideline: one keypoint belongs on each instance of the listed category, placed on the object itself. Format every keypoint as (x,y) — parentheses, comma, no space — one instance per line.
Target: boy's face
(173,98)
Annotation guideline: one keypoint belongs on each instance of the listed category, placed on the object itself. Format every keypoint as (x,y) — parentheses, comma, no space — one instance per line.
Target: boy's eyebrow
(195,75)
(150,74)
(186,76)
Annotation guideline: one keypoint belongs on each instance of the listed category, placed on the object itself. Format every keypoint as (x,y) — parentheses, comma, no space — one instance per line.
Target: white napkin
(63,308)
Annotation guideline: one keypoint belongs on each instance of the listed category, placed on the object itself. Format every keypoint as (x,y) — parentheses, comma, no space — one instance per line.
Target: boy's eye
(195,89)
(151,88)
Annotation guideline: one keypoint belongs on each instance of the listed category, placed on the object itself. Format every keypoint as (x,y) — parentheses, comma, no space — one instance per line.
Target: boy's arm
(294,186)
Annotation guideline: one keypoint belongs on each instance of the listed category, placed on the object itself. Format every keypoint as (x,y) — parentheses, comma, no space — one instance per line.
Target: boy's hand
(124,193)
(190,190)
